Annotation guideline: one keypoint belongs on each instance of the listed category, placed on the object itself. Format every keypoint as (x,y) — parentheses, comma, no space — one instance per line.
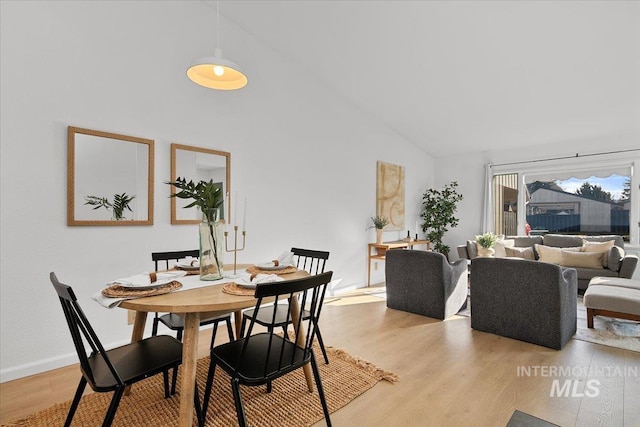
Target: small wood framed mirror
(109,178)
(199,164)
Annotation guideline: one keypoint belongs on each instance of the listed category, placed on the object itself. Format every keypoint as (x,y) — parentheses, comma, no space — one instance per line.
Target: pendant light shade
(215,72)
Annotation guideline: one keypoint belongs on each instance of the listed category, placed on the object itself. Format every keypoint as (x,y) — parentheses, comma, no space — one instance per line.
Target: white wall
(304,158)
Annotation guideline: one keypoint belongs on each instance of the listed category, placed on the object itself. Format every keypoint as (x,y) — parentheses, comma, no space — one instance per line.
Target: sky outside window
(613,184)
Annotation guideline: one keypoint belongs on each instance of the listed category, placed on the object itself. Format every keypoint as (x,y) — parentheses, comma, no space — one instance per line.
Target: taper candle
(225,209)
(235,210)
(244,216)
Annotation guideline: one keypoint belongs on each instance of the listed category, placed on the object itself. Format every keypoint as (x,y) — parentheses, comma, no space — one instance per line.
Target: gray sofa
(425,283)
(526,300)
(618,263)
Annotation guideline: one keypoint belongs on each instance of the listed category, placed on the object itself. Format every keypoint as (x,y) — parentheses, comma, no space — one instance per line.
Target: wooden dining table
(195,304)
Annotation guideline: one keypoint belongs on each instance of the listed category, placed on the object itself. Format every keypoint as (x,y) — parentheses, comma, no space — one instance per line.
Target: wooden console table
(378,251)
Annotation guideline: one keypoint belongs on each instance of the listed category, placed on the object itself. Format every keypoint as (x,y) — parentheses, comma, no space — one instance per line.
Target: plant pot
(211,249)
(378,236)
(486,252)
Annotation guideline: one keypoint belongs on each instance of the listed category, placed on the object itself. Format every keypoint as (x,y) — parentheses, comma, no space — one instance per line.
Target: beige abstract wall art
(390,194)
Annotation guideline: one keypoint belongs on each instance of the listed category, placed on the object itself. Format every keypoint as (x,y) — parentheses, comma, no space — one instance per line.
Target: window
(593,205)
(564,196)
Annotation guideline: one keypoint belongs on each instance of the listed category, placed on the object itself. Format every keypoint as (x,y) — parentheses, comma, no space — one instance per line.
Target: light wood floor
(450,375)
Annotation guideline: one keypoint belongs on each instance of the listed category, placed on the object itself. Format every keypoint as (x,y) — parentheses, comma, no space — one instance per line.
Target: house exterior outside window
(555,210)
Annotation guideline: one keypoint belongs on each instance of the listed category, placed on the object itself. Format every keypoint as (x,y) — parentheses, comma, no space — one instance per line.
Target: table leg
(295,315)
(139,323)
(237,317)
(138,330)
(189,363)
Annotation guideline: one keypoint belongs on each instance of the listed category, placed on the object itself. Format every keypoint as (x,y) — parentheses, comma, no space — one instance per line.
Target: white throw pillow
(602,247)
(552,255)
(549,254)
(500,245)
(524,253)
(582,259)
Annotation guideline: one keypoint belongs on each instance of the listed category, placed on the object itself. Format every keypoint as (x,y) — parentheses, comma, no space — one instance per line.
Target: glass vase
(211,249)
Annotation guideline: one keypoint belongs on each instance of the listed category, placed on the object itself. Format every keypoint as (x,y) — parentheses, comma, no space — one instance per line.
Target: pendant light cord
(218,23)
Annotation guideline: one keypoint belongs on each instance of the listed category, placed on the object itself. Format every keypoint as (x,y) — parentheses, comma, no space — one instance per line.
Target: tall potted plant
(208,197)
(438,214)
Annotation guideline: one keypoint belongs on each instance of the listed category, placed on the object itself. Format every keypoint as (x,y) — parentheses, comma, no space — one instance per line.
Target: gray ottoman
(620,300)
(615,281)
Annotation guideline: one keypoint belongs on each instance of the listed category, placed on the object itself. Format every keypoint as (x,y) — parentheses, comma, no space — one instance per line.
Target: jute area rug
(607,331)
(289,404)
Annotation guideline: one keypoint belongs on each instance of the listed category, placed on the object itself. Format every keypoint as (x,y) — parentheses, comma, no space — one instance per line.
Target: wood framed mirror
(199,164)
(109,178)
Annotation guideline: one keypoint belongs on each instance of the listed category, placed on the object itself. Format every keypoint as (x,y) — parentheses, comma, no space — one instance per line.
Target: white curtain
(488,214)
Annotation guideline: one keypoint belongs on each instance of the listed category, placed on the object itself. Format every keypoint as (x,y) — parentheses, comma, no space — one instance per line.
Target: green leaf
(205,194)
(120,203)
(438,214)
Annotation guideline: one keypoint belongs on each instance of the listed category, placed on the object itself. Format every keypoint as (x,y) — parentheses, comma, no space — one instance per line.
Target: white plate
(246,285)
(188,267)
(188,262)
(143,287)
(167,278)
(269,266)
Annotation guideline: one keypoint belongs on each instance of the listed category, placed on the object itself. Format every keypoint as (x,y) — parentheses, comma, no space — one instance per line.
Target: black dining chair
(175,322)
(113,370)
(305,259)
(261,358)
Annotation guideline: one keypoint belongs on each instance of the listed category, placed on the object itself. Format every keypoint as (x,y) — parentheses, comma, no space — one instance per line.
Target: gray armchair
(425,283)
(526,300)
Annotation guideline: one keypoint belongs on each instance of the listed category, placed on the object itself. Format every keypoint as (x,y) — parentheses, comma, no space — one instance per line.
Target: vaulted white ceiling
(466,75)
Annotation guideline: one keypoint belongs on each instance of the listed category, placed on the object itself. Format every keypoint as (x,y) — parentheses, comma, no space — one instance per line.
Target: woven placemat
(256,270)
(118,291)
(235,289)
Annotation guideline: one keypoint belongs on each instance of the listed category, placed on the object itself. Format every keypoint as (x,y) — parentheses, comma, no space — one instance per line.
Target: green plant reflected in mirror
(109,178)
(199,164)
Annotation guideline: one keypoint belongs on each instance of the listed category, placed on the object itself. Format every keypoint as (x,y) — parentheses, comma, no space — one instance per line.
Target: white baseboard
(38,367)
(43,365)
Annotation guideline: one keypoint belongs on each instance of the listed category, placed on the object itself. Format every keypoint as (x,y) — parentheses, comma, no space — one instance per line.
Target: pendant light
(216,72)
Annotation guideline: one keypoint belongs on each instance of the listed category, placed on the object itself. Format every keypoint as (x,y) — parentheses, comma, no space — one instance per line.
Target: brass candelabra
(235,249)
